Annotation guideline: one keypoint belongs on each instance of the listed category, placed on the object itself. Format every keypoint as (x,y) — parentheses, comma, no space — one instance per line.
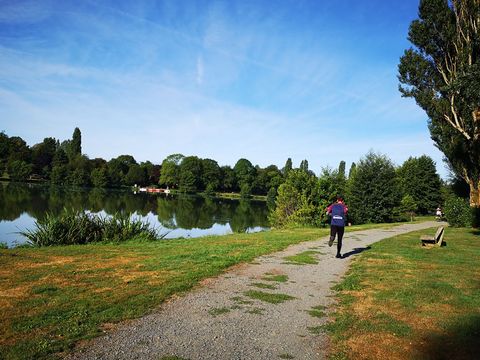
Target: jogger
(338,211)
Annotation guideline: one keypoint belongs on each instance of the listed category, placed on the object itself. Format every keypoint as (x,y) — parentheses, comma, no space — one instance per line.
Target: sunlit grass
(401,300)
(51,297)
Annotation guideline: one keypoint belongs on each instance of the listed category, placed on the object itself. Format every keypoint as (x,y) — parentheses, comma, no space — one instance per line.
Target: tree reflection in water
(171,212)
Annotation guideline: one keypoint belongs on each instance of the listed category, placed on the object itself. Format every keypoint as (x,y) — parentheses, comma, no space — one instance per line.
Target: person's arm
(329,209)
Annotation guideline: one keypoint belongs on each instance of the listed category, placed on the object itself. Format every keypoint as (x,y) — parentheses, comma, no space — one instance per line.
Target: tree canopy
(442,73)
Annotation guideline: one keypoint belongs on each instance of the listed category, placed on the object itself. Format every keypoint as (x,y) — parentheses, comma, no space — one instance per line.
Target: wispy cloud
(222,80)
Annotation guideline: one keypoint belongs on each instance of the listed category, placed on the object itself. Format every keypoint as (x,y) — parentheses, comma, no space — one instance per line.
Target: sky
(261,80)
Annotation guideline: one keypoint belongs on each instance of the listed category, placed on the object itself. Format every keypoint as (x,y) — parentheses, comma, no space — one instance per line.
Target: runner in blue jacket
(338,212)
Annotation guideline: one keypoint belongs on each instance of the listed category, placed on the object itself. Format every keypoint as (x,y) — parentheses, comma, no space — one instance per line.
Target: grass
(304,258)
(218,311)
(268,297)
(400,300)
(277,278)
(264,286)
(73,227)
(317,311)
(256,311)
(316,330)
(241,301)
(52,297)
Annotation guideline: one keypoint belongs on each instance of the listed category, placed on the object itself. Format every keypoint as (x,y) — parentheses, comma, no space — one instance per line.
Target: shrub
(68,228)
(77,227)
(458,212)
(123,226)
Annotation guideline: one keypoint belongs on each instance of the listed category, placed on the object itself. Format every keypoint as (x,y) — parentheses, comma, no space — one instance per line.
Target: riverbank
(221,195)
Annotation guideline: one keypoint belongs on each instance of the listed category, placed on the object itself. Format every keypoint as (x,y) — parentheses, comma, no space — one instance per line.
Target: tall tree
(442,73)
(352,170)
(419,179)
(245,173)
(76,144)
(136,175)
(190,172)
(373,190)
(210,175)
(304,165)
(228,180)
(19,150)
(341,169)
(169,174)
(288,166)
(42,156)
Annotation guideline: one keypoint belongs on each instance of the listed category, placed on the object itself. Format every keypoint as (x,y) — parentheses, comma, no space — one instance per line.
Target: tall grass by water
(73,227)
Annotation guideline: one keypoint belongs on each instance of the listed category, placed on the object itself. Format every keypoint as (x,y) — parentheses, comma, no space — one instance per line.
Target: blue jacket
(338,212)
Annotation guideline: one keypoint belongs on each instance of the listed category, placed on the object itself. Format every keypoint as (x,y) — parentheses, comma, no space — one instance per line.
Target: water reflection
(22,204)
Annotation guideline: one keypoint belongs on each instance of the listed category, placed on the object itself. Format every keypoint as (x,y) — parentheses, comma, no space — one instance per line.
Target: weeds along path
(272,308)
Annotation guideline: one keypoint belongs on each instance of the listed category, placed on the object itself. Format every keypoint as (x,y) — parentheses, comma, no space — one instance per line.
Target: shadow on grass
(355,251)
(460,341)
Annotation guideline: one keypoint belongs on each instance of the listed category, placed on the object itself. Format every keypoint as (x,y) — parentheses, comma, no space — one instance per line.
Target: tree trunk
(474,193)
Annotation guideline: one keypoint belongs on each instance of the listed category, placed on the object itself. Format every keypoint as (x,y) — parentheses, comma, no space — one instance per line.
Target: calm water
(180,216)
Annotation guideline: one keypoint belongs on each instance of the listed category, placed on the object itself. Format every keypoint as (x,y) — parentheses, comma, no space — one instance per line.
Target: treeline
(374,190)
(63,163)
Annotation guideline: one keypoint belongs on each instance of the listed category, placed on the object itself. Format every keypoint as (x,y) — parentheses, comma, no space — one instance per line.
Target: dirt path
(218,320)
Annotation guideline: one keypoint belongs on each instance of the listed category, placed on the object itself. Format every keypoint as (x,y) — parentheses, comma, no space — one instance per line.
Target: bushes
(298,201)
(373,191)
(77,227)
(457,212)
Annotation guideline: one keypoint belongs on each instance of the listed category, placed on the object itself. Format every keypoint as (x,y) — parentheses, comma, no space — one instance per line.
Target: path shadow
(459,341)
(355,251)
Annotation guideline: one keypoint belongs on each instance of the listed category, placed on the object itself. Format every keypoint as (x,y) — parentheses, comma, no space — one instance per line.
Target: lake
(178,216)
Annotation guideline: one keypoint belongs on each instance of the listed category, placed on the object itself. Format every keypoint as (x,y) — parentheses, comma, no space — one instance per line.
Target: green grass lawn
(52,297)
(402,301)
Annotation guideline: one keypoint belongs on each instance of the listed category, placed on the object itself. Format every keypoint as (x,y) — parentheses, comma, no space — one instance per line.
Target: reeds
(79,227)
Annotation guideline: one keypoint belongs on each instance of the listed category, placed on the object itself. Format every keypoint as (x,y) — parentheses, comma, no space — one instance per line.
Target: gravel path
(219,321)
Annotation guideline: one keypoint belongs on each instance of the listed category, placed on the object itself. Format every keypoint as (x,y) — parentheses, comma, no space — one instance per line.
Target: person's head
(339,199)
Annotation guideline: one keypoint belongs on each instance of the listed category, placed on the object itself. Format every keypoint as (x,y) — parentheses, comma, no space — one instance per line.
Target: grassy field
(402,301)
(54,296)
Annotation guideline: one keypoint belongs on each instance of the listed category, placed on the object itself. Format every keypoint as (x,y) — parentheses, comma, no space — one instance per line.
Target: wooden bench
(433,240)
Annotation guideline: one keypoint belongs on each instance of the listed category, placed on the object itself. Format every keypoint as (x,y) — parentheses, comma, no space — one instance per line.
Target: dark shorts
(334,230)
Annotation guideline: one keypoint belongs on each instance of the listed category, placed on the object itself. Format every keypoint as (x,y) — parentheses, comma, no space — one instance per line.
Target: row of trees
(193,174)
(63,163)
(375,191)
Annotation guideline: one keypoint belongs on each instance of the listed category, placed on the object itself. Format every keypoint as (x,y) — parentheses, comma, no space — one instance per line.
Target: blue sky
(262,80)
